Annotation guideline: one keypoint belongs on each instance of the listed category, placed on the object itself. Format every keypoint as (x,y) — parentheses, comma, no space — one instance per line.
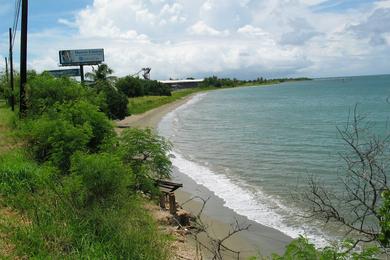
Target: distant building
(183,83)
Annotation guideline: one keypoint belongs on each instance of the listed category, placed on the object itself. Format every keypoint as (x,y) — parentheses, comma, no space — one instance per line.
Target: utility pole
(6,74)
(6,68)
(11,63)
(23,59)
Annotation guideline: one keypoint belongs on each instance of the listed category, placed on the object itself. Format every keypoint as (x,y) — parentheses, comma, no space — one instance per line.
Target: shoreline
(259,239)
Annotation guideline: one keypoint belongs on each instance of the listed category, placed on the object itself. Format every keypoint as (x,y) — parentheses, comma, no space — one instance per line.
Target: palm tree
(101,74)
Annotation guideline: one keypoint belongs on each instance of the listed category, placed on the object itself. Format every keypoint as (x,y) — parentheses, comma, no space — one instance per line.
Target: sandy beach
(257,240)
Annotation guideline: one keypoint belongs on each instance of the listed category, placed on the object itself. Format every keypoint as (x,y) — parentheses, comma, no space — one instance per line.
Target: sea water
(254,147)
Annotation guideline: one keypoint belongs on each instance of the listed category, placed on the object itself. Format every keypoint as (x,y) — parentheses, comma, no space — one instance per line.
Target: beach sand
(257,240)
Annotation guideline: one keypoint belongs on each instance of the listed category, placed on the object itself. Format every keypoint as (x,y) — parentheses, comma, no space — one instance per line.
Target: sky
(244,39)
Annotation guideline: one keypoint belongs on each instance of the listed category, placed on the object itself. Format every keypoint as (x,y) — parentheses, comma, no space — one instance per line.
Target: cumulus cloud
(375,27)
(201,28)
(243,38)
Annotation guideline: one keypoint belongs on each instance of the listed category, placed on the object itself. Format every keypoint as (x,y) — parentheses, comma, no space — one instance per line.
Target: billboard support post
(82,73)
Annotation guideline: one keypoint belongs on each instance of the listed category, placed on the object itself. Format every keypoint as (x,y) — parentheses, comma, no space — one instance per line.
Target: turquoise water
(254,146)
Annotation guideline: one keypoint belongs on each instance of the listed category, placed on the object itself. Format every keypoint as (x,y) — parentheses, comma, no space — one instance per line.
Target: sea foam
(255,205)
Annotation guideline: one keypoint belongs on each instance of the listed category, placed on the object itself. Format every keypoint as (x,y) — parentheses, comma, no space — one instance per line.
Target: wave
(251,203)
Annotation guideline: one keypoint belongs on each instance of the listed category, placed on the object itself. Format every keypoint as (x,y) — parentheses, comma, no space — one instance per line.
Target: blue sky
(235,38)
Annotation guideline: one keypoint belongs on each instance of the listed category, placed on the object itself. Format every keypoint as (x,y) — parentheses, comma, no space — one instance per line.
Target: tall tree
(101,74)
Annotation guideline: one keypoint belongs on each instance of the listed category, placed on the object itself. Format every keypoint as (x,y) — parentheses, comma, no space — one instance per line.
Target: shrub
(55,140)
(81,113)
(147,155)
(116,103)
(65,129)
(45,91)
(135,87)
(98,178)
(130,86)
(301,248)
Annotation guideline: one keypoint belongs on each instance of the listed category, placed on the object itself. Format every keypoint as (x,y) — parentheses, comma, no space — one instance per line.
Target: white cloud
(201,28)
(243,38)
(249,30)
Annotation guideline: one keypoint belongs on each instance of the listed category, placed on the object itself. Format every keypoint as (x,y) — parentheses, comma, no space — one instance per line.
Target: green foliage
(65,129)
(136,87)
(301,248)
(81,113)
(229,83)
(98,178)
(105,225)
(56,139)
(147,155)
(219,83)
(46,91)
(116,103)
(384,211)
(101,74)
(21,176)
(92,211)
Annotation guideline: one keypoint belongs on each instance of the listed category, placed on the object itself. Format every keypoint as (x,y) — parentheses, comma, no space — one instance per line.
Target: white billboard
(81,57)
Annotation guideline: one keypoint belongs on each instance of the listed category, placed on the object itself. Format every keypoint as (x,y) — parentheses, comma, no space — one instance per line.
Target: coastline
(258,240)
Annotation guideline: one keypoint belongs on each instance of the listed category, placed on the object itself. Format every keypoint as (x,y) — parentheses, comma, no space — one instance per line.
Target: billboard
(81,57)
(64,73)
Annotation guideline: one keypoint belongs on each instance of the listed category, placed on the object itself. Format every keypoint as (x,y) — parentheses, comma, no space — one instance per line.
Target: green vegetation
(136,87)
(6,119)
(77,190)
(227,82)
(140,105)
(302,249)
(76,185)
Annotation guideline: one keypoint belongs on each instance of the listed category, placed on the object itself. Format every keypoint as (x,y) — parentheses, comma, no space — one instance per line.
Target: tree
(364,207)
(115,99)
(147,155)
(102,73)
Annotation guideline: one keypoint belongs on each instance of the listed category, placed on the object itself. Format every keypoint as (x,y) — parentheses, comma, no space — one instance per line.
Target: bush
(65,129)
(98,178)
(301,248)
(147,155)
(45,91)
(55,140)
(135,87)
(116,103)
(81,113)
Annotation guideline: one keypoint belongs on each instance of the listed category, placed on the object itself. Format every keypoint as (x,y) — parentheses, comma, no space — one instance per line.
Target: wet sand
(257,240)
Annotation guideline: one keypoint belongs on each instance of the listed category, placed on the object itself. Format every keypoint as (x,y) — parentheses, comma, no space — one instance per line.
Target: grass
(8,218)
(39,219)
(6,140)
(140,105)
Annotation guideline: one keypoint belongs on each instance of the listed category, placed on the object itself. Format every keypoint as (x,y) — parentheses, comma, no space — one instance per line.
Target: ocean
(254,147)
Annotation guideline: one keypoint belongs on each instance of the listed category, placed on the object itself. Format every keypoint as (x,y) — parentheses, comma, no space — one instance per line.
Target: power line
(16,20)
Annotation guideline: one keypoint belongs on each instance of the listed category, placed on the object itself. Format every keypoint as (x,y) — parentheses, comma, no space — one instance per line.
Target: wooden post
(162,200)
(172,203)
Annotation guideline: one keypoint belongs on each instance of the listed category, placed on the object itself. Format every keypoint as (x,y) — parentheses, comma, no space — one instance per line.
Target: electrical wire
(16,21)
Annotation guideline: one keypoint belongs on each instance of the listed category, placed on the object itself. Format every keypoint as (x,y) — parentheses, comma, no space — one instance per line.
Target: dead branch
(365,179)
